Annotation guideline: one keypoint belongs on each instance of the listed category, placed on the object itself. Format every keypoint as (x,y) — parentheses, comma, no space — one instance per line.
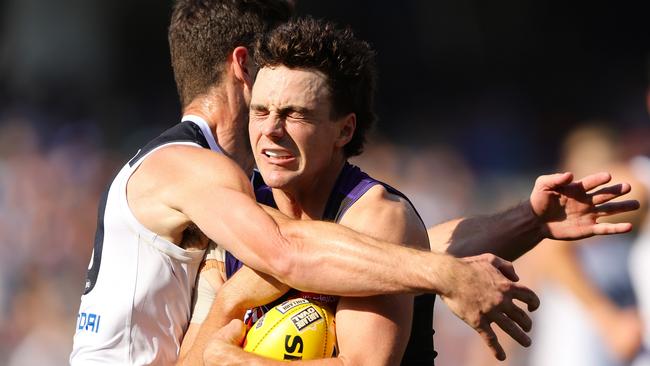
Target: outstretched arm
(558,208)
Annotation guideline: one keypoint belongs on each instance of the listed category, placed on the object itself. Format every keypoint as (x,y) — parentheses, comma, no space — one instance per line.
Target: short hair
(202,33)
(347,62)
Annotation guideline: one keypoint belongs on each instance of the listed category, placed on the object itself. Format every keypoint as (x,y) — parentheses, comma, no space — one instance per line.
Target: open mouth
(277,154)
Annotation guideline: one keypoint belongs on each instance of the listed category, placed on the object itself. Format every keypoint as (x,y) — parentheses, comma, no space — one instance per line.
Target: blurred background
(475,100)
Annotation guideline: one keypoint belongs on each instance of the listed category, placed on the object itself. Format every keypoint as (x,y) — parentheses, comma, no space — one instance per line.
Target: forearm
(246,289)
(322,257)
(209,282)
(216,319)
(508,234)
(332,259)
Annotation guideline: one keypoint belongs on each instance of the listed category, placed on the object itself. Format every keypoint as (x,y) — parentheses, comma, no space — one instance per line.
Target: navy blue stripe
(93,271)
(420,349)
(181,132)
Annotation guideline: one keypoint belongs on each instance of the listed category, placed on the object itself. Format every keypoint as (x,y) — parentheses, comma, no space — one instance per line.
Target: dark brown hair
(347,62)
(202,34)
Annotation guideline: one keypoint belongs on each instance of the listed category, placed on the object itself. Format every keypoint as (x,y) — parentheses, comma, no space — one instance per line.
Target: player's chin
(278,179)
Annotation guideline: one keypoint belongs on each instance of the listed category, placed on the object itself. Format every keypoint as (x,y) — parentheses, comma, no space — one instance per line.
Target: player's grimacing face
(291,131)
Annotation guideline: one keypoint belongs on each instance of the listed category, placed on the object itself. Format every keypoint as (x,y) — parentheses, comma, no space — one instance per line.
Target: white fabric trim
(149,236)
(203,125)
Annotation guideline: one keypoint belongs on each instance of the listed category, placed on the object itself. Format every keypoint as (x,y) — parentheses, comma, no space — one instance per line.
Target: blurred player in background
(310,109)
(640,255)
(587,288)
(639,259)
(191,185)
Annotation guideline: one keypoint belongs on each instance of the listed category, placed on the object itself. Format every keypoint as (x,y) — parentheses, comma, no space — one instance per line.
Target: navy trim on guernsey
(350,185)
(93,270)
(181,132)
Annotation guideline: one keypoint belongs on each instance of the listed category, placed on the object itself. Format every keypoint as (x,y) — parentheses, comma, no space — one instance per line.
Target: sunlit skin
(297,142)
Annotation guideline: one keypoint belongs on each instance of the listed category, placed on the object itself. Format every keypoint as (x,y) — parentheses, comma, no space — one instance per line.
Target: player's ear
(242,65)
(347,126)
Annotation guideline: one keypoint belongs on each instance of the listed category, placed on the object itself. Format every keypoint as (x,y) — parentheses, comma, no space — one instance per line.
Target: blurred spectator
(40,316)
(639,260)
(640,257)
(588,315)
(49,183)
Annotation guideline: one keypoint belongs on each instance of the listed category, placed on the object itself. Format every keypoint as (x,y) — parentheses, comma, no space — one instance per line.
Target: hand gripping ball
(297,329)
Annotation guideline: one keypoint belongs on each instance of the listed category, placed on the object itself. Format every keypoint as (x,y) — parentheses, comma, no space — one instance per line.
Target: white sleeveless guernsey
(136,305)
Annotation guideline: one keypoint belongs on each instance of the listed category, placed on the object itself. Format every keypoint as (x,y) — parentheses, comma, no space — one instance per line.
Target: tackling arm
(310,256)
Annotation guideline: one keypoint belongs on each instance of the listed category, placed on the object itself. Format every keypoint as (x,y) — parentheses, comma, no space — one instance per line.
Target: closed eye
(259,110)
(296,115)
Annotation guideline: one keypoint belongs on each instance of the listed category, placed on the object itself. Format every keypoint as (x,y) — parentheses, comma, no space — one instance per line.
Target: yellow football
(297,329)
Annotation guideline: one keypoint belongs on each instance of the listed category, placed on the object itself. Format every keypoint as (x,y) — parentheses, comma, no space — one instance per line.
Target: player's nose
(273,126)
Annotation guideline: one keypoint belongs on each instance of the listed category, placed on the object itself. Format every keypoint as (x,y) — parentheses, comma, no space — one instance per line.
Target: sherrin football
(297,329)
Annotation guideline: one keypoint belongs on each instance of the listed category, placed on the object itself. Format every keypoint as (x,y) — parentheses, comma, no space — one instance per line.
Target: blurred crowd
(50,181)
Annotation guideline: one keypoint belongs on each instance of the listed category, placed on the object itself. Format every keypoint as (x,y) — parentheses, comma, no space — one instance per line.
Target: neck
(227,121)
(308,199)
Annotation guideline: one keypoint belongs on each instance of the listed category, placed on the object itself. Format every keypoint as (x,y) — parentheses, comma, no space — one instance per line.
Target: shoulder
(180,177)
(386,216)
(379,200)
(194,166)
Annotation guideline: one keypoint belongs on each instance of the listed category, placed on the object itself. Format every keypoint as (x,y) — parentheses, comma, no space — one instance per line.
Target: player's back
(136,304)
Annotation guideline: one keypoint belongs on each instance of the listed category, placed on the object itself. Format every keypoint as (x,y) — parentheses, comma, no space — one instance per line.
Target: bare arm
(246,289)
(375,330)
(213,193)
(508,234)
(558,208)
(204,294)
